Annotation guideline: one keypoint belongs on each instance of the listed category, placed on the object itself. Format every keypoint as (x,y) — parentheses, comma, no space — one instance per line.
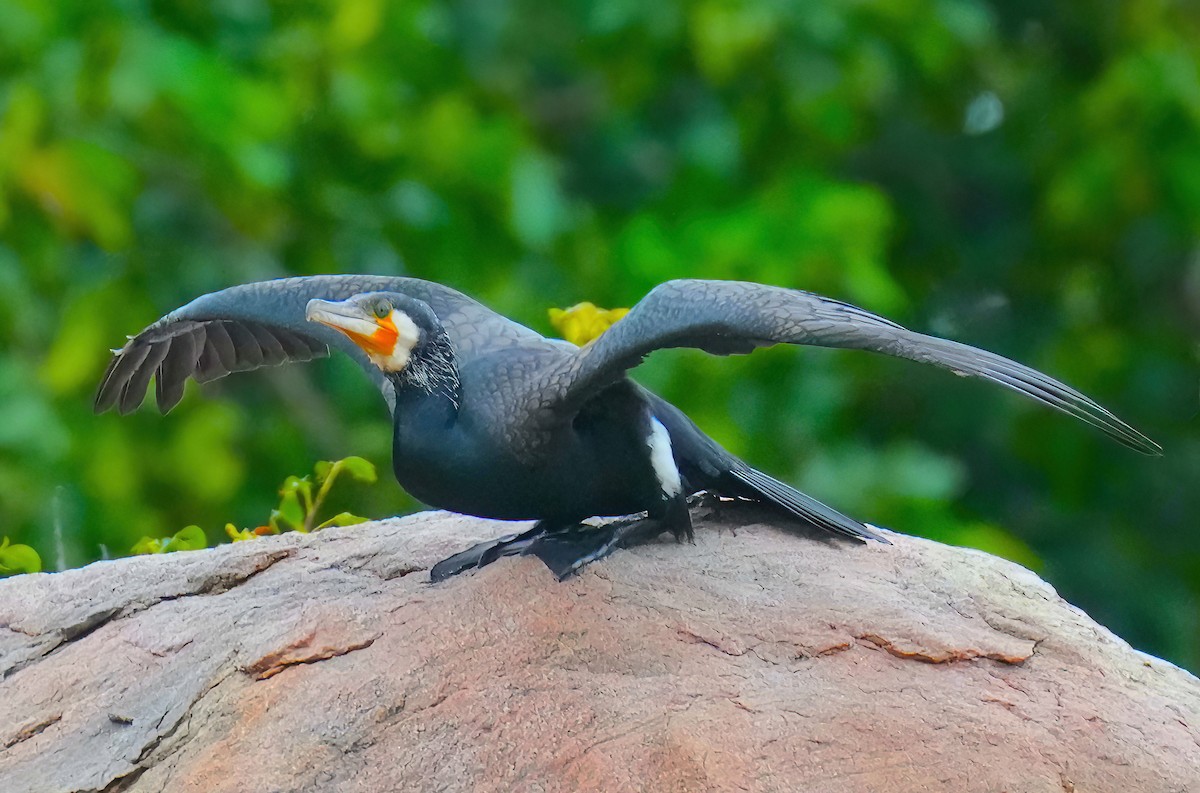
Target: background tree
(1023,176)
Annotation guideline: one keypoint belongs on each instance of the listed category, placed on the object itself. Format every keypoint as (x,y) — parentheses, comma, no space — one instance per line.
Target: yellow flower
(583,322)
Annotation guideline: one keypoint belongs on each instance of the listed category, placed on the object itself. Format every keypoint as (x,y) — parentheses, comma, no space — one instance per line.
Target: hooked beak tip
(312,310)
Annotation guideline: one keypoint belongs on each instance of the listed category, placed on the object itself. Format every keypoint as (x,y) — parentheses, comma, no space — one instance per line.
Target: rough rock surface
(754,660)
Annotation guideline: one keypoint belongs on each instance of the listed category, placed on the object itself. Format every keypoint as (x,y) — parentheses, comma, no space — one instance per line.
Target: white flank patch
(663,459)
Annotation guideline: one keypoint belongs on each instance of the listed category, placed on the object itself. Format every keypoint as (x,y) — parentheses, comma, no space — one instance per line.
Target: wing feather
(272,350)
(177,365)
(262,324)
(222,346)
(249,353)
(121,369)
(726,317)
(134,391)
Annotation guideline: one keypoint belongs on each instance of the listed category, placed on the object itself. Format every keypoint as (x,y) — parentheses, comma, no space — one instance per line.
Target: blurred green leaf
(239,535)
(539,211)
(17,558)
(290,513)
(361,469)
(342,519)
(189,538)
(993,540)
(84,187)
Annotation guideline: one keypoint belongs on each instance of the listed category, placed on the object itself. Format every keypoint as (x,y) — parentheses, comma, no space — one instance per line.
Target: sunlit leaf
(361,469)
(239,535)
(148,545)
(343,519)
(290,511)
(17,558)
(189,538)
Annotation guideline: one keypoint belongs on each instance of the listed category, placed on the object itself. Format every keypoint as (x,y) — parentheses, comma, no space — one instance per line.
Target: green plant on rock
(189,538)
(300,502)
(16,558)
(301,498)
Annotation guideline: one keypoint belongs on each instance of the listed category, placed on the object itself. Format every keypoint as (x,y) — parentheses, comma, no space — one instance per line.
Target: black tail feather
(769,489)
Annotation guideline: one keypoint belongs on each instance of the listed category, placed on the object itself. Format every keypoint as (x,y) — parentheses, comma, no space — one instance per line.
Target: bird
(492,419)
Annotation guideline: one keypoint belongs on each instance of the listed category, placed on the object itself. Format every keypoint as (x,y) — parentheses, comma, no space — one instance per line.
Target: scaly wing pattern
(262,324)
(728,317)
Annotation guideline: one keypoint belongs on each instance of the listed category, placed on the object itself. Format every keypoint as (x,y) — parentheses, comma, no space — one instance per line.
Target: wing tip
(107,393)
(1144,445)
(874,533)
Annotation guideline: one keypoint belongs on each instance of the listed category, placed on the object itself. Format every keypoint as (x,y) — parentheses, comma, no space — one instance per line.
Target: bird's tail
(766,488)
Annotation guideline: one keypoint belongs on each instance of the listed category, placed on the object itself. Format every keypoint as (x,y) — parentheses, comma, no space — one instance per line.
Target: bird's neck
(431,375)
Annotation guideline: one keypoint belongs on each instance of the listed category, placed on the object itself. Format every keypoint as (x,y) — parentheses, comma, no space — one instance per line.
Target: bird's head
(391,328)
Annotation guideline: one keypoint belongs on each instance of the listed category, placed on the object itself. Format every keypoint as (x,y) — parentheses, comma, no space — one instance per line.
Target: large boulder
(754,660)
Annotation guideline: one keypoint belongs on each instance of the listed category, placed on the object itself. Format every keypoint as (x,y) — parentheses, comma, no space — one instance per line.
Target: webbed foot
(484,553)
(565,550)
(568,552)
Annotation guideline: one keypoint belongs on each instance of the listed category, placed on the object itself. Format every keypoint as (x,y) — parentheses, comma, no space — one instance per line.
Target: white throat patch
(408,334)
(662,458)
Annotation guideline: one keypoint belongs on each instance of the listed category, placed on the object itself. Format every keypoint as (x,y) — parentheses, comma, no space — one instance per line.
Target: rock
(754,660)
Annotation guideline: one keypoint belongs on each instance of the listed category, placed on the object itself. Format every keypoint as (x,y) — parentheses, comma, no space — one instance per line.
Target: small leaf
(147,545)
(342,519)
(361,469)
(322,469)
(18,559)
(297,484)
(289,511)
(239,535)
(189,538)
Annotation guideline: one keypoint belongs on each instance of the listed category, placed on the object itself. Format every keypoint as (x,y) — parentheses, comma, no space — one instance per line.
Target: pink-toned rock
(754,660)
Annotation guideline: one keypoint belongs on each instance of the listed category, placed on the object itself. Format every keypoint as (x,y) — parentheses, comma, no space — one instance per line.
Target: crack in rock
(30,730)
(302,652)
(721,644)
(947,655)
(120,783)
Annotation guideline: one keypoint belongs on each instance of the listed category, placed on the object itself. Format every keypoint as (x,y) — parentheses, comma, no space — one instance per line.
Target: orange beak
(375,335)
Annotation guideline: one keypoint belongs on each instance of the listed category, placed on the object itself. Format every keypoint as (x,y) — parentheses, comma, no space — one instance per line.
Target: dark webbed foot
(568,552)
(565,550)
(484,553)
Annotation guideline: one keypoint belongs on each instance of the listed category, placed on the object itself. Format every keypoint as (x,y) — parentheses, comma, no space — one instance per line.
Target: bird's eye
(382,310)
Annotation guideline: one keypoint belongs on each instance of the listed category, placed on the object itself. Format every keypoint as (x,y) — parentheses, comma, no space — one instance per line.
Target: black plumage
(492,419)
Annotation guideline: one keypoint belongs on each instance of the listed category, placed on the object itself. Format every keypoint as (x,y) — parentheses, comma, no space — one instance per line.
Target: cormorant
(494,420)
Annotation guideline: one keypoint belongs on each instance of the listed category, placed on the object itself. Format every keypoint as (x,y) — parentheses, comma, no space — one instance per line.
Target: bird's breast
(610,463)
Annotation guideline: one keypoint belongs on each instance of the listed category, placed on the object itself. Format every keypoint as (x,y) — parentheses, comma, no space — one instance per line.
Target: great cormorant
(494,420)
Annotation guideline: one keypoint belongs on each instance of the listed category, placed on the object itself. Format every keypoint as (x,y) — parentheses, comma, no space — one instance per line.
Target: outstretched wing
(728,317)
(262,324)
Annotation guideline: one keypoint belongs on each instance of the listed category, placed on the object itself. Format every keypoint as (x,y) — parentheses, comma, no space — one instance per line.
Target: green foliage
(299,506)
(1023,176)
(297,511)
(189,538)
(16,559)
